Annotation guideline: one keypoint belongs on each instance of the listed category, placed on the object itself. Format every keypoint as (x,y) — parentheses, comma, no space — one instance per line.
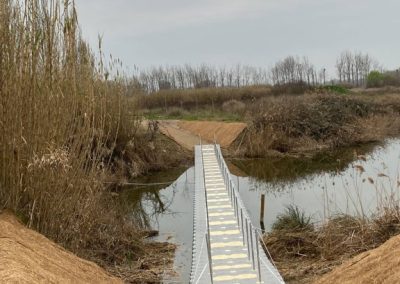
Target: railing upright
(209,257)
(247,237)
(258,258)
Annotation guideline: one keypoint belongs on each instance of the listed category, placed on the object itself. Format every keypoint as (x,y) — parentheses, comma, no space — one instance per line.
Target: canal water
(356,181)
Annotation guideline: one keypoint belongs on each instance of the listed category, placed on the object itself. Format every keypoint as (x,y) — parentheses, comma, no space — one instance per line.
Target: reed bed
(62,115)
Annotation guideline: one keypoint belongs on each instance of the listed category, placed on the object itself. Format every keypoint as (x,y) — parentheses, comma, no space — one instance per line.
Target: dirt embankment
(28,257)
(188,133)
(224,132)
(380,265)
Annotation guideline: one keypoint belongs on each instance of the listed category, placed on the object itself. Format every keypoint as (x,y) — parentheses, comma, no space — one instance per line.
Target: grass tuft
(293,219)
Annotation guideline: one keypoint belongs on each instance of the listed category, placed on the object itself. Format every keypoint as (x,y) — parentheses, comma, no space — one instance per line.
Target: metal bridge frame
(201,271)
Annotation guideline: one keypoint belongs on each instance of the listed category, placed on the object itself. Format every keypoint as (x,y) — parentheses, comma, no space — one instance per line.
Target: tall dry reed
(60,115)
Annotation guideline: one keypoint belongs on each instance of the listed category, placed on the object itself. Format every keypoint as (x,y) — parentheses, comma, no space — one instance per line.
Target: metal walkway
(226,246)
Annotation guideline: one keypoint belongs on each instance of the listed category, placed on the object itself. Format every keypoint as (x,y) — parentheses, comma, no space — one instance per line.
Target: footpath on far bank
(188,133)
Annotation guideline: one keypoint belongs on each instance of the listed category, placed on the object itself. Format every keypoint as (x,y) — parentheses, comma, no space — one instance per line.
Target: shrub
(234,106)
(336,89)
(293,219)
(375,79)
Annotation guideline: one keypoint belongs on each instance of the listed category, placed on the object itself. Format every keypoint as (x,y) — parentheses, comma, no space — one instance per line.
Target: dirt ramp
(225,133)
(28,257)
(380,265)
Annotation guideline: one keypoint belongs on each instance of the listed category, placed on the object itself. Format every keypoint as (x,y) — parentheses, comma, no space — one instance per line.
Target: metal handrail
(205,245)
(207,236)
(249,233)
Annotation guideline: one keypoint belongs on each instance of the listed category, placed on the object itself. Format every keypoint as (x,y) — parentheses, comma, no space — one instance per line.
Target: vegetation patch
(68,131)
(293,219)
(310,123)
(303,253)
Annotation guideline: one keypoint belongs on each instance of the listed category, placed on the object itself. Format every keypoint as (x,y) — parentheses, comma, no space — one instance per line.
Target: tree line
(351,68)
(203,76)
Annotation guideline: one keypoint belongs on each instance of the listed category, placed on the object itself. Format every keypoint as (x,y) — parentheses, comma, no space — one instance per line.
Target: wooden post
(262,213)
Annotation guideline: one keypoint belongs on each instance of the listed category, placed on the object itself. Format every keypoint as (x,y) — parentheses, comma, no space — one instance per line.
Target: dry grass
(298,124)
(304,254)
(149,268)
(66,128)
(194,99)
(234,106)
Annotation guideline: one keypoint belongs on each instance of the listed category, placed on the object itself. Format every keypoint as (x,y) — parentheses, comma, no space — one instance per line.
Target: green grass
(336,89)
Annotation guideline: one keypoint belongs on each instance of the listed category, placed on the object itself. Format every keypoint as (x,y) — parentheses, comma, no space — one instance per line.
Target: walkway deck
(226,246)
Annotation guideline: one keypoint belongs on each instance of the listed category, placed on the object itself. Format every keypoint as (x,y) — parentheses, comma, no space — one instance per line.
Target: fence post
(262,208)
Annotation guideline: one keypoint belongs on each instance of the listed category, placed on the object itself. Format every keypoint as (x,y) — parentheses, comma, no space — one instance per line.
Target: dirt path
(187,133)
(28,257)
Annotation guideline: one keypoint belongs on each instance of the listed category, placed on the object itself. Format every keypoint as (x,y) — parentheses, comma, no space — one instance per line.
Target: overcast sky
(254,32)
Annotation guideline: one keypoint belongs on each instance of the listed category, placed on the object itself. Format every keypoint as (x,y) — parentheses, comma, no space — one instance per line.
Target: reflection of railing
(251,235)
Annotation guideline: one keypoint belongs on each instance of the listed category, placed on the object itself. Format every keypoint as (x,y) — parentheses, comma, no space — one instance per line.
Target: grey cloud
(257,32)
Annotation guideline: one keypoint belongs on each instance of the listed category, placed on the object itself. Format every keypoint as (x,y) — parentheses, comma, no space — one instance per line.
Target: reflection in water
(289,169)
(360,188)
(145,199)
(170,211)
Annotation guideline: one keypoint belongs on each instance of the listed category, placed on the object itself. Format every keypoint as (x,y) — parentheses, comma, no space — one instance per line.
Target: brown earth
(188,133)
(380,265)
(183,137)
(223,132)
(28,257)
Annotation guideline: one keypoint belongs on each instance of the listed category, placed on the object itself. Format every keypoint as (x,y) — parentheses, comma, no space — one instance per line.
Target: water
(169,210)
(358,188)
(328,184)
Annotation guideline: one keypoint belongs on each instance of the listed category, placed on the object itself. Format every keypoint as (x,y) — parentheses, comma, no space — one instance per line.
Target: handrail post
(209,257)
(247,237)
(252,246)
(241,220)
(258,258)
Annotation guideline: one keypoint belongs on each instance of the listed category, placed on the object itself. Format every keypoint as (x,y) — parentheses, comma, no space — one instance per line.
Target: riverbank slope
(27,256)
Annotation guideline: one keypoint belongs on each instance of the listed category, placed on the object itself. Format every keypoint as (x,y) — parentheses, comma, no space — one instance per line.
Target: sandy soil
(380,265)
(181,136)
(224,132)
(28,257)
(188,133)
